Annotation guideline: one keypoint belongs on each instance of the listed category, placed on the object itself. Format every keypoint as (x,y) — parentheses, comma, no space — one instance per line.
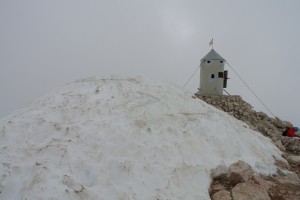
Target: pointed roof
(212,55)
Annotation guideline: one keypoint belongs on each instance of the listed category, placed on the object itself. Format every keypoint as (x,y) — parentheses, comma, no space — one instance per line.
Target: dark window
(212,76)
(221,75)
(208,61)
(221,61)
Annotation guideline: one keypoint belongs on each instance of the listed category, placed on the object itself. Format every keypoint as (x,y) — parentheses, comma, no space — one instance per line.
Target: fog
(46,44)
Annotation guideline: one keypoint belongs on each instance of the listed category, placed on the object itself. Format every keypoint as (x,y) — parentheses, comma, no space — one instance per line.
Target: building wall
(211,83)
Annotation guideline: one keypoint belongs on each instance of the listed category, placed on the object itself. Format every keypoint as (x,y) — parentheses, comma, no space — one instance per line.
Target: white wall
(209,85)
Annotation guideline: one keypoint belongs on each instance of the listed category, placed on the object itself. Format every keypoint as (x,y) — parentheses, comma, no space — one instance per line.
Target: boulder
(282,164)
(217,187)
(291,144)
(294,159)
(291,178)
(239,172)
(263,183)
(262,115)
(222,195)
(287,124)
(279,144)
(249,191)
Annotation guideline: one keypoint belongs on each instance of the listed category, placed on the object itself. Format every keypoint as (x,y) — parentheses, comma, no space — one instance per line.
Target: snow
(122,138)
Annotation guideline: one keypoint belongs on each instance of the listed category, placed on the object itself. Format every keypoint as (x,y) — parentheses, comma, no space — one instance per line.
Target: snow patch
(122,138)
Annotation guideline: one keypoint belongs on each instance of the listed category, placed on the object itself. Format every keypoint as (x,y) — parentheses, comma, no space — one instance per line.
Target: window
(221,75)
(212,76)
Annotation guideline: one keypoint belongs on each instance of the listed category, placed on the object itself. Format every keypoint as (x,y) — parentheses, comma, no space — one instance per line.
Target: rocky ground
(238,181)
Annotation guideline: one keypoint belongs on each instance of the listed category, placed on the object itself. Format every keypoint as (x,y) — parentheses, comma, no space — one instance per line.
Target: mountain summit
(122,138)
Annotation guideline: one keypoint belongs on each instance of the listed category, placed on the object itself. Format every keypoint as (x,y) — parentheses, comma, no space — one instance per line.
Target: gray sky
(46,44)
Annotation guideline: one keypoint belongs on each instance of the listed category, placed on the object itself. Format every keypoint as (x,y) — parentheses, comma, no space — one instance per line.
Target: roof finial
(211,43)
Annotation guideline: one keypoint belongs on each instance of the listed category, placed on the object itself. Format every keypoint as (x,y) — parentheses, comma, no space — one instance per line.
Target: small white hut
(213,78)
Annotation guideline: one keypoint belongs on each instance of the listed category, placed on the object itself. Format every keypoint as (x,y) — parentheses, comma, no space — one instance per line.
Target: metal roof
(212,55)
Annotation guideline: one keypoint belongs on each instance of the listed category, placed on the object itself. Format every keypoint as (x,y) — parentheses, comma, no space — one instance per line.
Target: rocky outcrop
(251,186)
(291,144)
(257,121)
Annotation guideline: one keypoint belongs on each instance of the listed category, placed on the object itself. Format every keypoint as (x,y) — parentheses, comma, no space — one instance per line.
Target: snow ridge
(122,138)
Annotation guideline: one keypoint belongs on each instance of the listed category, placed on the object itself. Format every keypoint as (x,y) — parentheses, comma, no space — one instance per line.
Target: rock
(249,191)
(217,187)
(291,178)
(262,182)
(269,132)
(246,114)
(262,115)
(282,164)
(291,144)
(277,123)
(222,195)
(236,104)
(277,137)
(287,124)
(239,172)
(294,160)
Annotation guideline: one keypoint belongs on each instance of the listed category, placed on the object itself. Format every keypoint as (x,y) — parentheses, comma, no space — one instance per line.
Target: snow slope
(122,138)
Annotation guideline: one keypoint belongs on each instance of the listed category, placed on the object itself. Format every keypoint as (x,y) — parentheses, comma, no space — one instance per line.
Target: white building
(213,78)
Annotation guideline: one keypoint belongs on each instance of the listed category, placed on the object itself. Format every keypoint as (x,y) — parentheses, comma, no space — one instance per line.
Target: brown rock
(236,104)
(222,195)
(262,182)
(282,164)
(294,160)
(217,187)
(239,172)
(249,191)
(291,178)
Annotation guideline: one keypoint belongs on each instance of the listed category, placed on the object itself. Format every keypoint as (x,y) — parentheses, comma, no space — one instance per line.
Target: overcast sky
(46,44)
